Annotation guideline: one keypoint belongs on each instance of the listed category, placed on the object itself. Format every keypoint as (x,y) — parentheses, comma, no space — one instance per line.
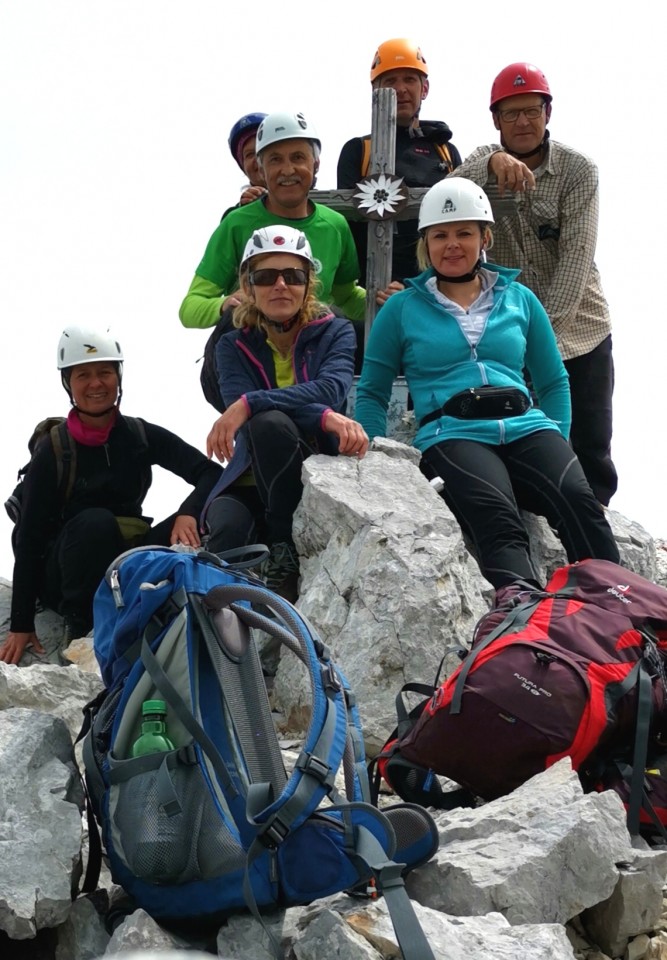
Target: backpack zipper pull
(114,583)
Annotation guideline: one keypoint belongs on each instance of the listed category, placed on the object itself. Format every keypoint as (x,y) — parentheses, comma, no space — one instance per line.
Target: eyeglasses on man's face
(530,113)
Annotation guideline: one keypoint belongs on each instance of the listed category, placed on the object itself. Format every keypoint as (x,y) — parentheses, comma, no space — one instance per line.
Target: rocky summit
(544,873)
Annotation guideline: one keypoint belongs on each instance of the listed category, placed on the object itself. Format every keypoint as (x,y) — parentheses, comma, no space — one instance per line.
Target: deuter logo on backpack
(619,591)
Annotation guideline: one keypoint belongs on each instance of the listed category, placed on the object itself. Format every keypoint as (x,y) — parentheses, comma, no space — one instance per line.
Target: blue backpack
(216,824)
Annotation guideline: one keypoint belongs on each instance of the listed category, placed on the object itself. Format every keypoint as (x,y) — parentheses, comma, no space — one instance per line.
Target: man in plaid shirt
(551,236)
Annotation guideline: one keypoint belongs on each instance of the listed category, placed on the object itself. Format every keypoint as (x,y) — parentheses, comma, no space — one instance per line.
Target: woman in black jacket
(67,538)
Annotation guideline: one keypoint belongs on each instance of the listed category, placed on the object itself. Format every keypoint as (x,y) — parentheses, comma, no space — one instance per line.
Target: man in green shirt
(288,150)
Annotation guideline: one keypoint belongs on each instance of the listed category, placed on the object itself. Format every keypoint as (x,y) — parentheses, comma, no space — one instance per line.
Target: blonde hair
(247,314)
(423,259)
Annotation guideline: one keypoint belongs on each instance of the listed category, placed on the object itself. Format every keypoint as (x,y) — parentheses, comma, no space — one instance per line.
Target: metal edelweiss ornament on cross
(381,195)
(382,198)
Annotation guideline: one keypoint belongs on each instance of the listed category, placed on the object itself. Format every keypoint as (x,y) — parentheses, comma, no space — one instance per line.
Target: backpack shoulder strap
(64,449)
(445,154)
(138,428)
(365,155)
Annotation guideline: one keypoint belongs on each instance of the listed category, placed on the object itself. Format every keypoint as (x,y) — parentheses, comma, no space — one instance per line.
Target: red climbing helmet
(519,78)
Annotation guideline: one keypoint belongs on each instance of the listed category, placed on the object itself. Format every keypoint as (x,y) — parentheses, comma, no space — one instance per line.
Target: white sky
(114,171)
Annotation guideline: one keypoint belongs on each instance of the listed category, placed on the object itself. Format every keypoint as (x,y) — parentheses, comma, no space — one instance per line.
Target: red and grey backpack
(575,670)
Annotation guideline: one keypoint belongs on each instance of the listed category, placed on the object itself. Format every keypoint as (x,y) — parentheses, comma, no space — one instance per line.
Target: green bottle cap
(153,706)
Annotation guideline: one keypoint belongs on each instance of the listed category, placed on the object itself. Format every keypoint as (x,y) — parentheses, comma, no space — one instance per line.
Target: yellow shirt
(284,369)
(284,378)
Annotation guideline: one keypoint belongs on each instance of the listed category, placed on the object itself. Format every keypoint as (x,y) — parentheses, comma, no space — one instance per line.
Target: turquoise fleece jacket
(415,334)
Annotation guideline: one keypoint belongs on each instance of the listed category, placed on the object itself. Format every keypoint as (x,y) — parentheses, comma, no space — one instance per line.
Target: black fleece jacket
(116,476)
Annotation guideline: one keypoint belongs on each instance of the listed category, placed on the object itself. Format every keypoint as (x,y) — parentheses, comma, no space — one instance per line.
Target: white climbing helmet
(86,345)
(453,199)
(285,126)
(278,239)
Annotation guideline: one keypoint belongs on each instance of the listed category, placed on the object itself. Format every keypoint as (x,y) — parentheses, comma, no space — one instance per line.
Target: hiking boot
(280,570)
(75,627)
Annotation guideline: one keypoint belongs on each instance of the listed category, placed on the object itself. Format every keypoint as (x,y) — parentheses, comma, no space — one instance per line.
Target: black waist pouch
(482,403)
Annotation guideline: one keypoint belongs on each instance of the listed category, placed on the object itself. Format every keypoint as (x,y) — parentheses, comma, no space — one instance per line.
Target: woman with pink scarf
(66,538)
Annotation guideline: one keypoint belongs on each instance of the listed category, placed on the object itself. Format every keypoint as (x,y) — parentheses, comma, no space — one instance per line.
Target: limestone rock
(661,562)
(141,933)
(83,935)
(542,854)
(60,691)
(40,825)
(635,905)
(387,582)
(396,450)
(344,927)
(82,654)
(462,938)
(637,547)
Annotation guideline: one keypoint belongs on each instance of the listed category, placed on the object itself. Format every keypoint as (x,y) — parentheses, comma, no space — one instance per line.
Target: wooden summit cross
(381,197)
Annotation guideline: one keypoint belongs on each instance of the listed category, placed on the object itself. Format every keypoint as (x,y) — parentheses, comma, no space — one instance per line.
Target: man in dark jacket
(424,151)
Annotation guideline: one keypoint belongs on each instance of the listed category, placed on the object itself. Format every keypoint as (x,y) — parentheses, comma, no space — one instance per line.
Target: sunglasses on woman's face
(266,277)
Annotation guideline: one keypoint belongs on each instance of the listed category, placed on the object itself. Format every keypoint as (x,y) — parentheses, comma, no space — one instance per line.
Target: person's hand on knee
(185,531)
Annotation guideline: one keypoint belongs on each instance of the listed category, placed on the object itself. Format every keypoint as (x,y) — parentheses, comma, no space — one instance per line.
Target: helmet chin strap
(463,278)
(282,326)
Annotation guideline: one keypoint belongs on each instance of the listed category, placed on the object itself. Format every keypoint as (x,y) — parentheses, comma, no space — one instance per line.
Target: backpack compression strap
(515,620)
(644,703)
(410,936)
(64,449)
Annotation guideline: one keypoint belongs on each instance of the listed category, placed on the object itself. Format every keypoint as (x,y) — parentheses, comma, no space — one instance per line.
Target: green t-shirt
(327,231)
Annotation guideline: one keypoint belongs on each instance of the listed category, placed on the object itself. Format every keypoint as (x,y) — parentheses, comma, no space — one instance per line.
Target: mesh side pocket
(195,844)
(102,726)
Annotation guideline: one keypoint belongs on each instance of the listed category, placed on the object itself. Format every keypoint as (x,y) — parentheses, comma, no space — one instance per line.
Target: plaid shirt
(551,236)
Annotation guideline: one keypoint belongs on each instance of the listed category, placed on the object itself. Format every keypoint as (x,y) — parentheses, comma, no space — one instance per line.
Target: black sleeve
(349,164)
(167,450)
(40,512)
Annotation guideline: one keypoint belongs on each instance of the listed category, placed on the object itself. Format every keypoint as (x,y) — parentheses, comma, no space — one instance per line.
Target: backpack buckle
(309,764)
(273,834)
(330,678)
(188,755)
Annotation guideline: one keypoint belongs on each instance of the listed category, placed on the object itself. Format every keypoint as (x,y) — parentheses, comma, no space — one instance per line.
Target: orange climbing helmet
(399,54)
(519,78)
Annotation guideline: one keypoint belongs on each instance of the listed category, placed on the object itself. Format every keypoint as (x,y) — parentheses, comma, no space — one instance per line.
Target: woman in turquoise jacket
(466,334)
